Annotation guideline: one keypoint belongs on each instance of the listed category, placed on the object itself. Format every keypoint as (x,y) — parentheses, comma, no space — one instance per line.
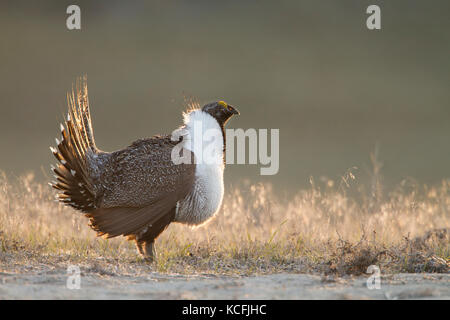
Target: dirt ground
(52,284)
(258,247)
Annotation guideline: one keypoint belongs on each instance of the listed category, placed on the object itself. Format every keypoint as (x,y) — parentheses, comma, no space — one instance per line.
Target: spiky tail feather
(73,181)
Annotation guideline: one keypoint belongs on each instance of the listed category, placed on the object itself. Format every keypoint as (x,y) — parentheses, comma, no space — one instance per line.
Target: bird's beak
(234,110)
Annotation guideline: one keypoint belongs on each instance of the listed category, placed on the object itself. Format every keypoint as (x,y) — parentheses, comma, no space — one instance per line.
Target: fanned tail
(73,181)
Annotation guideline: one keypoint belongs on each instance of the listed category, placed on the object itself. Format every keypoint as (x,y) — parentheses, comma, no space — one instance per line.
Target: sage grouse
(139,190)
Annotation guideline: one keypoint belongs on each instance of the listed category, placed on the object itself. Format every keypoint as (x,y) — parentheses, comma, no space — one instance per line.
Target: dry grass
(331,228)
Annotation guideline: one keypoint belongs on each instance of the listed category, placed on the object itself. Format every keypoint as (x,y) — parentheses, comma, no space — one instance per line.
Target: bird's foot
(147,250)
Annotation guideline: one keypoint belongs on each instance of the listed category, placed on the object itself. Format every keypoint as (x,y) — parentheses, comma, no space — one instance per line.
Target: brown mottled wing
(140,185)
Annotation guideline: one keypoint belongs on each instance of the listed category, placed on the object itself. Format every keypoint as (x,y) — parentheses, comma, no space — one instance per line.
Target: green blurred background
(310,68)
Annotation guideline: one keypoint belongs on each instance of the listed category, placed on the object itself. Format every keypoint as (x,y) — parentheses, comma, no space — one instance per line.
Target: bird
(137,191)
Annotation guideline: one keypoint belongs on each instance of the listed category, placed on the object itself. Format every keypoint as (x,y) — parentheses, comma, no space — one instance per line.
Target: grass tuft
(325,229)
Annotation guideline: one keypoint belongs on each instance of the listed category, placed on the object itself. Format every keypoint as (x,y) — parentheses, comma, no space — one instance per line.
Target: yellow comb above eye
(223,104)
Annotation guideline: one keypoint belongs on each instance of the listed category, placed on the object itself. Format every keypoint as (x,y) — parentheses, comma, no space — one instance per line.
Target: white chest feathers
(204,137)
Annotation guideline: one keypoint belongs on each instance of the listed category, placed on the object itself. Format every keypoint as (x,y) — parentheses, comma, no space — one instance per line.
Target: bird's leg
(149,250)
(139,247)
(146,249)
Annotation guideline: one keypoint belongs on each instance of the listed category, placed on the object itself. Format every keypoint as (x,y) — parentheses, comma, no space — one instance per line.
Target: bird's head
(220,110)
